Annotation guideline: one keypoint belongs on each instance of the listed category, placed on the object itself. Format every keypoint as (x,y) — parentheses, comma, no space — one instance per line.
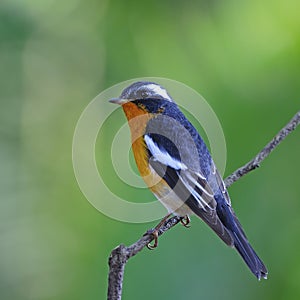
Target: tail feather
(249,256)
(240,241)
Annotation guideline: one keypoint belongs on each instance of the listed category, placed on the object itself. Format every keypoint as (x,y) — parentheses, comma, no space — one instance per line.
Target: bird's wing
(190,186)
(220,183)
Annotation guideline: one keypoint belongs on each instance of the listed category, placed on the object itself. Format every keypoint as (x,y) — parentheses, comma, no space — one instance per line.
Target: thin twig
(120,255)
(255,162)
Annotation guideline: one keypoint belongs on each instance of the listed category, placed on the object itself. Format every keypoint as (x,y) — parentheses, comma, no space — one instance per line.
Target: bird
(177,166)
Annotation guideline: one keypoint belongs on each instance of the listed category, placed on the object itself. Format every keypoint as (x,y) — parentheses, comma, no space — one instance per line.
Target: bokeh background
(56,56)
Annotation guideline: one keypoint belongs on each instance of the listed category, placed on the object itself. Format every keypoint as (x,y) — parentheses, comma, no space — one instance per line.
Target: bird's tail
(243,247)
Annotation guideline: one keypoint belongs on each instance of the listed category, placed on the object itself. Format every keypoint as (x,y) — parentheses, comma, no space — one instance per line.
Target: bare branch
(255,162)
(120,255)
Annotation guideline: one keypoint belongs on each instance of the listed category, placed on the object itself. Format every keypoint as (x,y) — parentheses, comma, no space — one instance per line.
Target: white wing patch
(206,198)
(195,183)
(163,156)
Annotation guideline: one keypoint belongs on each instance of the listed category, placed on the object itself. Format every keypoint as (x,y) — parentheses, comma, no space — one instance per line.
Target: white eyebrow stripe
(160,91)
(162,155)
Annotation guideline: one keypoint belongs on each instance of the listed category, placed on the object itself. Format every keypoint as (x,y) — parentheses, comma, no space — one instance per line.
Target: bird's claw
(185,221)
(154,233)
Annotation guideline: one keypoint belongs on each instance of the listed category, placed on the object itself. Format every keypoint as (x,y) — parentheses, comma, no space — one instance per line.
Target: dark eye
(160,110)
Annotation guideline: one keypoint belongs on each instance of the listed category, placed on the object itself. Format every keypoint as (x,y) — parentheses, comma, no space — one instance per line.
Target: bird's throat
(137,121)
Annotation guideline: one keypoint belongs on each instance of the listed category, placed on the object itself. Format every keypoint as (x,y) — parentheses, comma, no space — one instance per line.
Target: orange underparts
(138,118)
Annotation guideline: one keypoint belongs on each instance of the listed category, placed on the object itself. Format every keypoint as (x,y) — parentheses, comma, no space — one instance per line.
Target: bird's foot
(154,233)
(185,221)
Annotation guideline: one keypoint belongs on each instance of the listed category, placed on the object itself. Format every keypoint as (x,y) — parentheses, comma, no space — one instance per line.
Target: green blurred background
(55,56)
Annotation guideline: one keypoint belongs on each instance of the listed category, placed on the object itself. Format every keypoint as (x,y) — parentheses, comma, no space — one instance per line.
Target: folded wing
(191,187)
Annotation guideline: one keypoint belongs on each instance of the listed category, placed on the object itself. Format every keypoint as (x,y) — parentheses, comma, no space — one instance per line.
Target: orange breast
(137,120)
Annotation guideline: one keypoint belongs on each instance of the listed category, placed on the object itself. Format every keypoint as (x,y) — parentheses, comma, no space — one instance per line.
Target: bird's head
(143,100)
(142,90)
